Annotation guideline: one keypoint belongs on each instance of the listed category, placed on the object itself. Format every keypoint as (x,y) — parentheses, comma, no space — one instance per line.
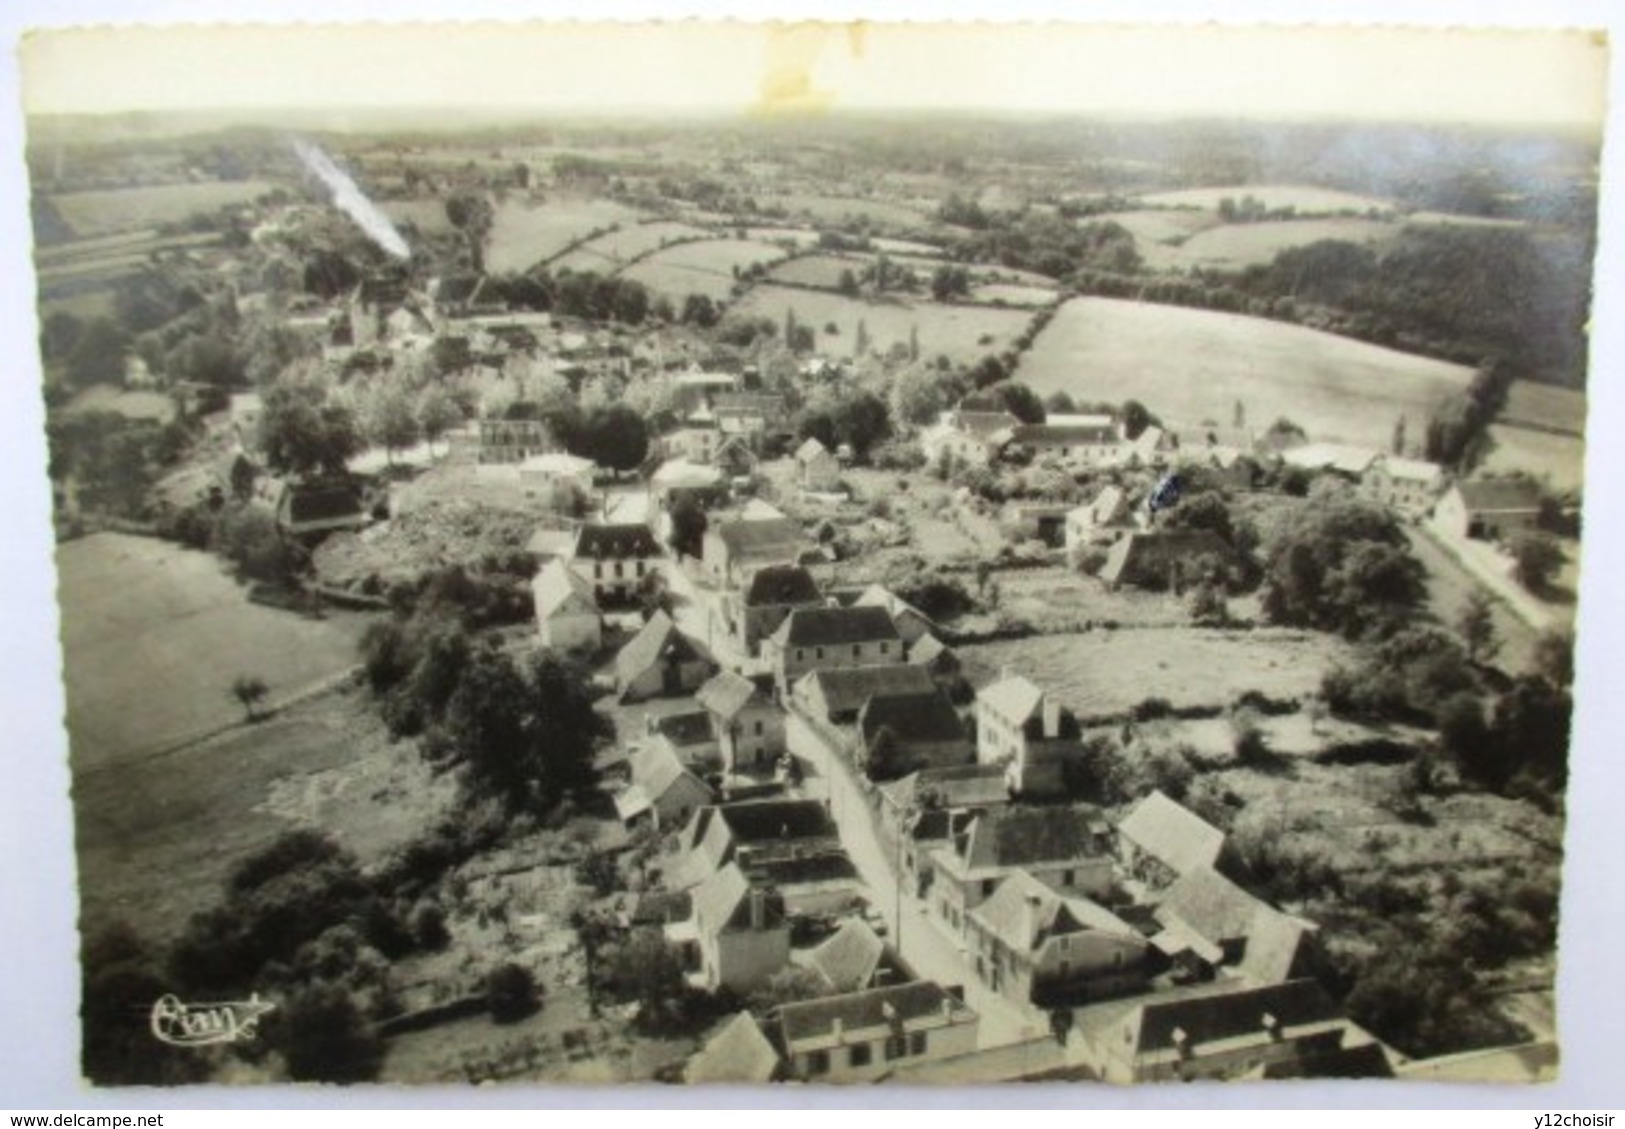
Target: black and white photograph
(826,553)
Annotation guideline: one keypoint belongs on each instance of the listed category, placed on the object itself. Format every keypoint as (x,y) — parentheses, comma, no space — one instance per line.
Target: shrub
(510,993)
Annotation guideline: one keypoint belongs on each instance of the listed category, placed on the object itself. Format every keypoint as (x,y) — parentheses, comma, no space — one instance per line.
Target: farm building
(1488,509)
(567,617)
(1161,839)
(850,959)
(738,1054)
(615,559)
(911,623)
(1081,441)
(837,695)
(1026,732)
(734,548)
(1208,921)
(817,469)
(860,1036)
(320,506)
(1035,945)
(698,440)
(660,661)
(663,791)
(1407,486)
(829,638)
(1066,848)
(974,438)
(689,736)
(747,413)
(903,733)
(749,728)
(1346,461)
(1163,559)
(1036,521)
(567,475)
(1099,520)
(740,929)
(768,839)
(774,591)
(504,441)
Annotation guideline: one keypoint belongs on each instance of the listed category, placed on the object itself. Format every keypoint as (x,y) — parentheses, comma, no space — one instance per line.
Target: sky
(1500,76)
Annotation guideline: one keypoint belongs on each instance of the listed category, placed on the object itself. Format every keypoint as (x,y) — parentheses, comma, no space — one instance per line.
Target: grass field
(800,236)
(1544,406)
(153,636)
(523,235)
(1159,225)
(131,405)
(706,267)
(1011,294)
(1189,365)
(1304,198)
(838,209)
(1105,672)
(1237,245)
(1560,459)
(964,334)
(132,209)
(823,271)
(609,253)
(428,216)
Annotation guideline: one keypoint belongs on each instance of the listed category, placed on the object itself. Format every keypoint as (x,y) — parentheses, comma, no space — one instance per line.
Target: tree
(1553,657)
(323,1037)
(1398,444)
(861,421)
(1342,566)
(848,283)
(1536,559)
(698,309)
(688,525)
(1136,418)
(860,340)
(1207,511)
(249,691)
(510,993)
(647,970)
(437,413)
(614,436)
(471,214)
(97,356)
(919,394)
(303,432)
(1059,403)
(1239,416)
(391,420)
(1476,625)
(121,978)
(1019,400)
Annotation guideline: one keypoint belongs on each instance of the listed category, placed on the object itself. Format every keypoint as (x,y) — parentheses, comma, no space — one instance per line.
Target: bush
(510,993)
(429,927)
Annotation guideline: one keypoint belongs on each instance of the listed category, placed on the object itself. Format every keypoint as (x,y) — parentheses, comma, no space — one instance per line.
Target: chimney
(947,1007)
(758,911)
(1052,718)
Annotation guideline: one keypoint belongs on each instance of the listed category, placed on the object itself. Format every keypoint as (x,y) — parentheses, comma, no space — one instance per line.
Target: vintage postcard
(842,553)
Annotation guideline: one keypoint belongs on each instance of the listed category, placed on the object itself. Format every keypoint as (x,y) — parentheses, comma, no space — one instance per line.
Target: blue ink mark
(1164,494)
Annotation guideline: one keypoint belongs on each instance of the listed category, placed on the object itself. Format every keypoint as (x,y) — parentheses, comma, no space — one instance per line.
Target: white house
(567,617)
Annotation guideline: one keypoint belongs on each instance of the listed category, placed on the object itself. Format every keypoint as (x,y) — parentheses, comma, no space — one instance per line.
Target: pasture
(1159,225)
(1011,294)
(706,267)
(1305,199)
(822,271)
(801,237)
(1545,407)
(964,334)
(153,635)
(1190,365)
(106,211)
(842,209)
(609,253)
(523,235)
(1238,245)
(1559,459)
(428,216)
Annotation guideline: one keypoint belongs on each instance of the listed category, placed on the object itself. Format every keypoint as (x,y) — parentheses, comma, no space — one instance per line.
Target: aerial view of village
(834,597)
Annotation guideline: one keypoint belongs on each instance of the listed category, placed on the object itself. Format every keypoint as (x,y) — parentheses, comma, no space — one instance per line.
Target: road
(925,943)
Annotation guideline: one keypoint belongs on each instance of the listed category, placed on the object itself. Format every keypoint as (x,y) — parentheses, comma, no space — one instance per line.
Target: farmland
(1011,294)
(523,235)
(428,216)
(1545,407)
(1190,365)
(1304,199)
(132,209)
(1560,459)
(1159,225)
(963,334)
(609,253)
(705,267)
(822,271)
(1237,245)
(153,636)
(842,209)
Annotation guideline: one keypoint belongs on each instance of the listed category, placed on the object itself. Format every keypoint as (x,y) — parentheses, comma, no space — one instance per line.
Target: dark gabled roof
(760,821)
(768,535)
(857,1011)
(1500,495)
(1368,1060)
(1025,913)
(692,727)
(659,640)
(763,403)
(825,627)
(1211,904)
(322,501)
(1063,435)
(781,584)
(600,542)
(952,786)
(1224,1015)
(1022,836)
(923,716)
(846,689)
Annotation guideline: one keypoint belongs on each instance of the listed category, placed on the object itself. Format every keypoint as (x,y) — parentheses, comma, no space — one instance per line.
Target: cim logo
(201,1025)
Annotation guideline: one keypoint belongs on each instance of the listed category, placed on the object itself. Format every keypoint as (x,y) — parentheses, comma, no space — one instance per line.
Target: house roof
(1331,456)
(1210,1017)
(557,585)
(823,627)
(890,1007)
(983,425)
(1106,507)
(879,596)
(754,403)
(811,449)
(1210,904)
(601,542)
(738,1053)
(691,727)
(1500,495)
(848,960)
(727,693)
(679,474)
(1064,435)
(1275,946)
(927,649)
(1414,470)
(1012,696)
(756,821)
(656,768)
(761,537)
(718,899)
(1366,1060)
(1172,833)
(1025,913)
(551,542)
(1141,548)
(781,584)
(324,500)
(955,786)
(845,690)
(1016,836)
(924,715)
(658,640)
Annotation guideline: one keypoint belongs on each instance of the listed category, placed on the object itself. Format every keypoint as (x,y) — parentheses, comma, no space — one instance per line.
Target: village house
(761,836)
(1346,462)
(1019,727)
(838,695)
(740,931)
(828,639)
(567,617)
(925,810)
(1099,521)
(735,458)
(1162,839)
(1035,521)
(732,549)
(677,478)
(973,438)
(1148,449)
(566,479)
(817,470)
(1164,560)
(245,411)
(696,441)
(773,591)
(860,1036)
(1221,1035)
(749,727)
(1407,486)
(615,559)
(1488,509)
(662,791)
(1209,922)
(902,733)
(1066,848)
(694,390)
(849,960)
(1037,946)
(689,737)
(910,621)
(507,441)
(1081,441)
(738,1054)
(747,413)
(320,506)
(661,661)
